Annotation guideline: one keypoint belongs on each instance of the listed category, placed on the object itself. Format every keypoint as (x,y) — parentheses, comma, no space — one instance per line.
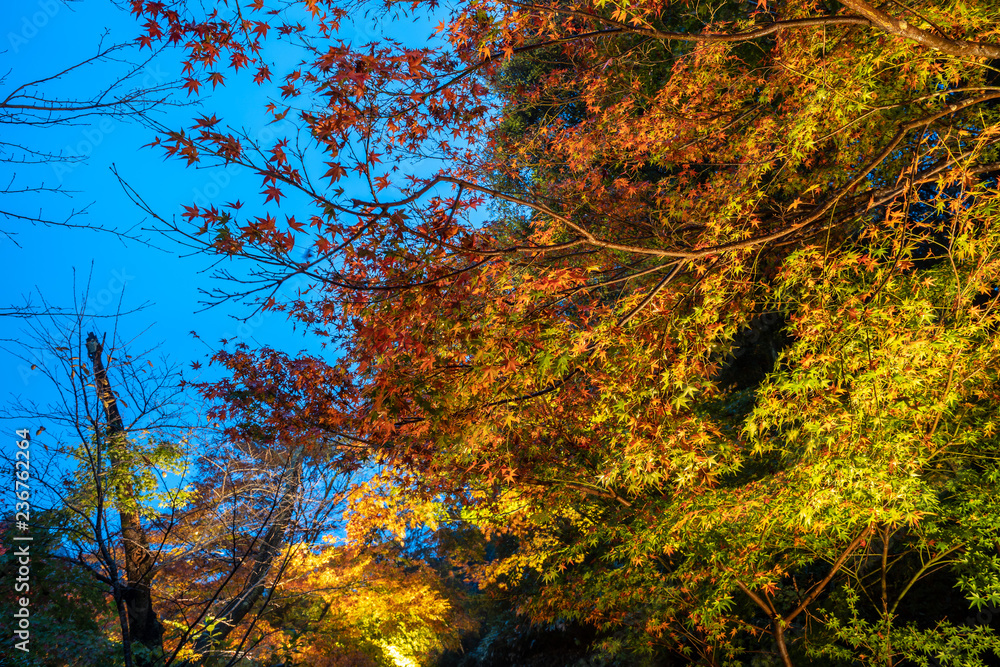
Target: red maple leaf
(192,86)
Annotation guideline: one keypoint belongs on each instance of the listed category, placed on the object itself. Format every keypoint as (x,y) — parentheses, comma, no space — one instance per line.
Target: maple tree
(569,217)
(175,540)
(350,606)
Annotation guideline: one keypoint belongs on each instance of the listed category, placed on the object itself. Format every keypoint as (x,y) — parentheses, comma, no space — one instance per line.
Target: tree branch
(901,28)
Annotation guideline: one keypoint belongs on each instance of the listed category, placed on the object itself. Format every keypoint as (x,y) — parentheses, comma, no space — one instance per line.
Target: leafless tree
(118,421)
(134,90)
(89,90)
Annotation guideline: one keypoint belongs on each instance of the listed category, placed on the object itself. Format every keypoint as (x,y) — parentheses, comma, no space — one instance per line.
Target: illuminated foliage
(543,300)
(361,607)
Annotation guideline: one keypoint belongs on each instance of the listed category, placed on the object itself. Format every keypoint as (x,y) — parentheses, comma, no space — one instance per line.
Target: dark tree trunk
(144,628)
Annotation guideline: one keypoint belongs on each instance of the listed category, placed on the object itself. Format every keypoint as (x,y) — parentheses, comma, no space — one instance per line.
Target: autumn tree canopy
(688,309)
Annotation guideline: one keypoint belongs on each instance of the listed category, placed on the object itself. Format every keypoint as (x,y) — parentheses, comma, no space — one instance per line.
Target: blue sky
(40,38)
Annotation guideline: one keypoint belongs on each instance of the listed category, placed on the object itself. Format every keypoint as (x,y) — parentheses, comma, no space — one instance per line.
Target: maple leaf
(263,74)
(192,85)
(335,172)
(274,193)
(207,121)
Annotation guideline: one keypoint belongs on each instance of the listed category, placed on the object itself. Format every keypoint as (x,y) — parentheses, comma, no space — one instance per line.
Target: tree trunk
(144,628)
(236,609)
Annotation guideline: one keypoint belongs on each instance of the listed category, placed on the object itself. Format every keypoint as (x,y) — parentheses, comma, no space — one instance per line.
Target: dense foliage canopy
(670,326)
(692,305)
